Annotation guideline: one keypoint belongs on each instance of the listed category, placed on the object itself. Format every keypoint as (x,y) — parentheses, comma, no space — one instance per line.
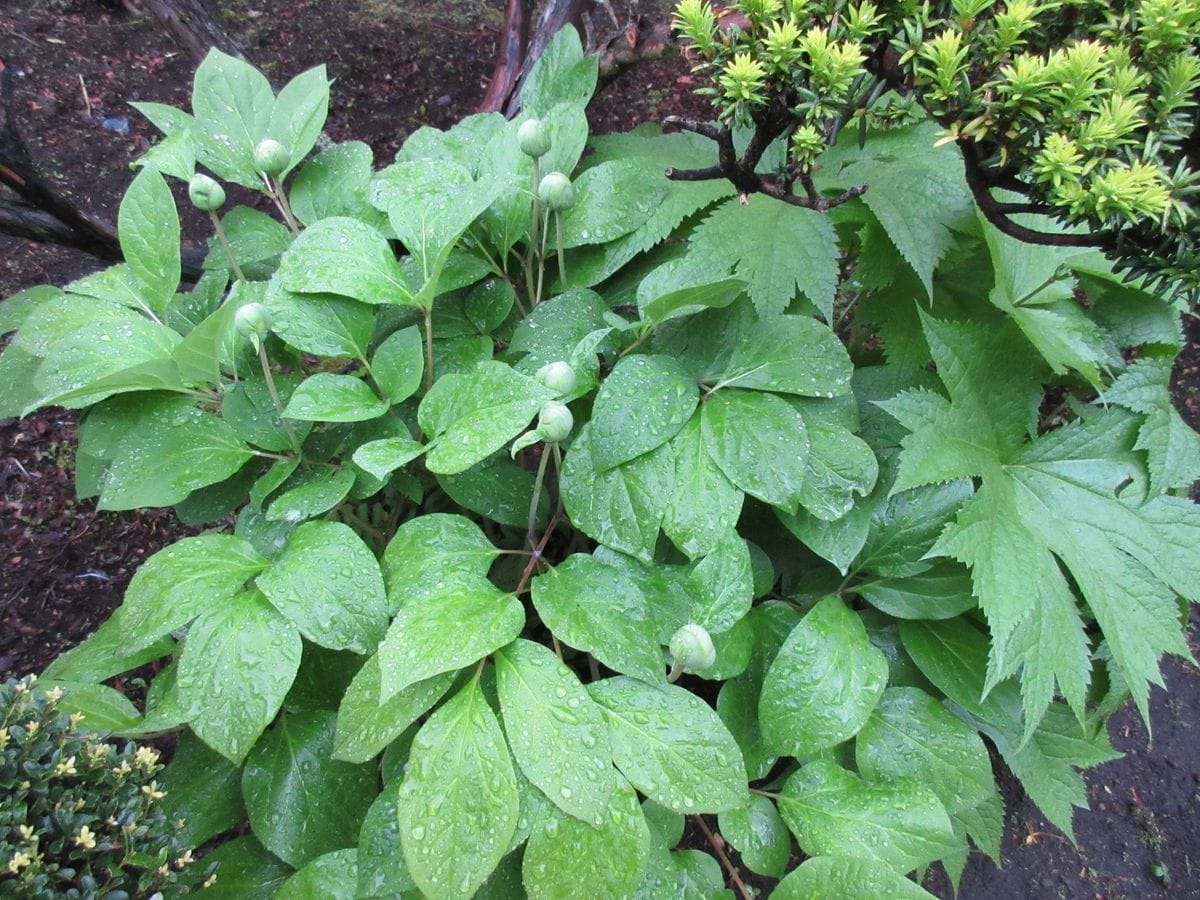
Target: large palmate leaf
(1075,499)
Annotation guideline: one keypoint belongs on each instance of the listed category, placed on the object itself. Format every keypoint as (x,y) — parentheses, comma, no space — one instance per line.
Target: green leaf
(838,467)
(912,735)
(232,101)
(203,790)
(848,877)
(776,248)
(248,409)
(458,802)
(104,709)
(612,199)
(169,449)
(303,804)
(365,726)
(759,835)
(556,326)
(642,404)
(446,629)
(953,655)
(106,652)
(310,494)
(684,301)
(254,237)
(181,581)
(429,551)
(498,489)
(299,112)
(594,608)
(788,354)
(906,525)
(335,183)
(942,592)
(565,854)
(557,734)
(399,363)
(238,662)
(324,325)
(759,442)
(839,541)
(327,583)
(472,416)
(247,870)
(384,456)
(621,507)
(672,746)
(830,810)
(704,503)
(326,397)
(562,74)
(382,872)
(823,683)
(333,876)
(722,585)
(148,229)
(344,256)
(174,155)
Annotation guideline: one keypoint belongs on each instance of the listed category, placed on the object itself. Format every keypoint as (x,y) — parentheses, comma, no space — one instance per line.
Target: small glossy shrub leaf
(299,112)
(327,583)
(704,503)
(473,415)
(642,404)
(722,585)
(323,324)
(900,824)
(344,256)
(823,683)
(557,733)
(365,725)
(594,607)
(430,551)
(247,870)
(790,355)
(326,397)
(912,735)
(458,802)
(333,876)
(759,442)
(303,804)
(445,630)
(148,229)
(620,507)
(776,248)
(847,876)
(672,746)
(382,872)
(202,789)
(399,363)
(565,854)
(239,660)
(310,494)
(183,580)
(384,456)
(232,101)
(759,835)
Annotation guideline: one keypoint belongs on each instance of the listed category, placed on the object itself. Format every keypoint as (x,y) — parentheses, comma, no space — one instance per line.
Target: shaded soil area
(64,566)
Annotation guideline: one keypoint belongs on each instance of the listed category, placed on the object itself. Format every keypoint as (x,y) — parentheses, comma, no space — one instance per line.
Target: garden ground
(399,65)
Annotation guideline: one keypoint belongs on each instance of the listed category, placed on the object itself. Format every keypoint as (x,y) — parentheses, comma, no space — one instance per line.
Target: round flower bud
(692,648)
(555,422)
(557,192)
(252,320)
(271,157)
(533,137)
(558,377)
(205,193)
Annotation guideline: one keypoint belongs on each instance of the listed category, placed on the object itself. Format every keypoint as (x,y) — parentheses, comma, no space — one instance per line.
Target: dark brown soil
(64,566)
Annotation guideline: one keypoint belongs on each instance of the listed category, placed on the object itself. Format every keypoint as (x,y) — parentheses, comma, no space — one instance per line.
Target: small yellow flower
(123,769)
(65,767)
(18,862)
(85,838)
(210,880)
(26,832)
(31,728)
(74,719)
(185,860)
(151,790)
(54,694)
(164,870)
(146,757)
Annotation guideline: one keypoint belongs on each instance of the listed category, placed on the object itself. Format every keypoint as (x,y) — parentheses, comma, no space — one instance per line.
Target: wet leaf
(851,877)
(332,876)
(365,725)
(642,404)
(326,397)
(759,834)
(346,257)
(759,442)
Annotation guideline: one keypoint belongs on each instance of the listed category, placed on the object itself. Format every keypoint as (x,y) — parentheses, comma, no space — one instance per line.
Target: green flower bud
(533,137)
(555,422)
(205,193)
(252,320)
(558,377)
(271,157)
(692,648)
(557,192)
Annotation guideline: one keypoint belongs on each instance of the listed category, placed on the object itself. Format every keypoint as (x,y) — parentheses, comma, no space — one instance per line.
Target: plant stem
(220,230)
(428,348)
(562,259)
(537,297)
(270,379)
(676,671)
(275,188)
(531,534)
(719,849)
